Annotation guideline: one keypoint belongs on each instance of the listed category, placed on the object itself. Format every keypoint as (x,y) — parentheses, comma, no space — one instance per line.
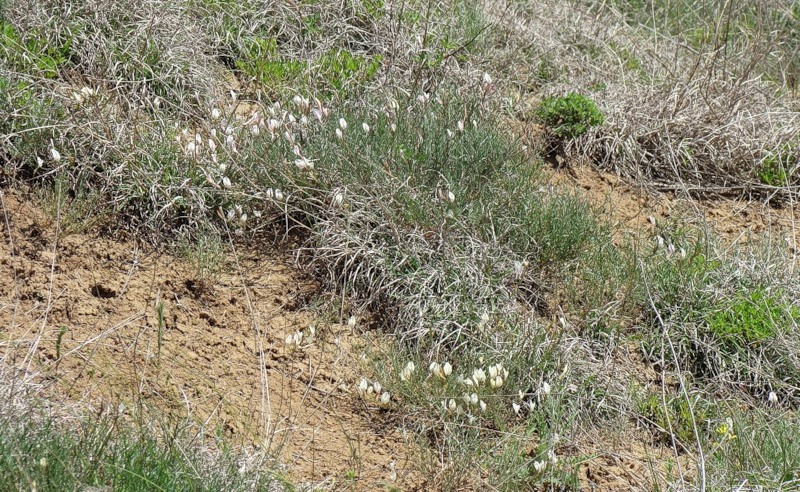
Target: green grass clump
(42,455)
(569,116)
(777,168)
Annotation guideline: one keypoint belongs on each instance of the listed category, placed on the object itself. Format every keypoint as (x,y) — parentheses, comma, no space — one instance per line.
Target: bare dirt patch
(630,207)
(102,322)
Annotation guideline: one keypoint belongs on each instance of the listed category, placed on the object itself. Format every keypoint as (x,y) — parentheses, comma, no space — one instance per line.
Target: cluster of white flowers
(86,94)
(294,340)
(442,371)
(670,248)
(374,392)
(497,375)
(407,371)
(527,402)
(541,465)
(470,401)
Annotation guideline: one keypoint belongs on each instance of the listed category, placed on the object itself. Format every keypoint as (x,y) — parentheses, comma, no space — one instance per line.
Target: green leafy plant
(569,116)
(31,53)
(751,318)
(776,168)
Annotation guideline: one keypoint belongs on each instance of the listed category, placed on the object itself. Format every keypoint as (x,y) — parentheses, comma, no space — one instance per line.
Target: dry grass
(428,220)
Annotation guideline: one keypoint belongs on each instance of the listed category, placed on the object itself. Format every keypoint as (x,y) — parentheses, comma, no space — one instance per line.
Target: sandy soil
(82,313)
(630,207)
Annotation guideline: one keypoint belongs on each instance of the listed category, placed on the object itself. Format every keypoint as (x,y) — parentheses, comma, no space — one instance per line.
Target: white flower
(466,381)
(339,134)
(486,79)
(539,466)
(351,322)
(39,162)
(460,126)
(660,241)
(447,369)
(466,398)
(303,164)
(482,405)
(255,130)
(683,253)
(496,382)
(407,371)
(377,387)
(546,388)
(451,197)
(473,398)
(551,455)
(216,114)
(479,376)
(191,148)
(301,102)
(516,408)
(212,145)
(365,127)
(278,195)
(652,220)
(393,127)
(54,154)
(362,387)
(772,397)
(289,136)
(385,398)
(449,133)
(338,199)
(451,405)
(342,124)
(317,114)
(226,182)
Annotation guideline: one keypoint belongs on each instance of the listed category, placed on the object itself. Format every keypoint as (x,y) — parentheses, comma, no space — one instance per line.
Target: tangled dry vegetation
(698,110)
(397,150)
